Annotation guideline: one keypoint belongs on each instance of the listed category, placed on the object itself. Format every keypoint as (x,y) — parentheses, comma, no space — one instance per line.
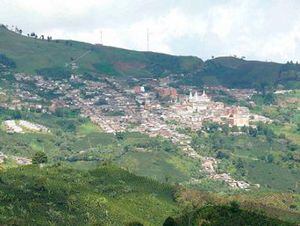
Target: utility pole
(101,36)
(148,39)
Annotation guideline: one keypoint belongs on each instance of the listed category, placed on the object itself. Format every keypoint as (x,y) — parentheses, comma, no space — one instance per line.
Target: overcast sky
(256,29)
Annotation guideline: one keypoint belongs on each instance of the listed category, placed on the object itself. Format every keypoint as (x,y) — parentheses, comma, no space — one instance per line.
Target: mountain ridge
(32,55)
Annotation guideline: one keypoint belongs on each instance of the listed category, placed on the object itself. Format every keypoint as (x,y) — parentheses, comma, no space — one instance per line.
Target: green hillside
(224,215)
(239,73)
(107,195)
(59,195)
(77,141)
(31,55)
(55,57)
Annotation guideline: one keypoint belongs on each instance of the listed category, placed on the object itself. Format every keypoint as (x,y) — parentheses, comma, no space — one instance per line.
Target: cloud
(252,28)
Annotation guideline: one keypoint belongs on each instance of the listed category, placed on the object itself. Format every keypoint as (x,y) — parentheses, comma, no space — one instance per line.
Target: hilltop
(59,57)
(240,73)
(32,55)
(27,54)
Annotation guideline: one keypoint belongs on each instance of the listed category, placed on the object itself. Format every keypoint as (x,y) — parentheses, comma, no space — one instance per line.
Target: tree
(39,157)
(222,155)
(292,147)
(169,222)
(135,224)
(282,136)
(7,61)
(167,146)
(252,132)
(127,148)
(211,127)
(225,129)
(239,164)
(245,129)
(269,98)
(235,129)
(120,136)
(298,127)
(269,158)
(17,114)
(235,206)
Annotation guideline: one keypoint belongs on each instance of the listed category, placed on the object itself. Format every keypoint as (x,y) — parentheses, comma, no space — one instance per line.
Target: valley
(144,137)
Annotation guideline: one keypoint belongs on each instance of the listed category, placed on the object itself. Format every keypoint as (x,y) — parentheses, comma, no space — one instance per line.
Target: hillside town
(144,108)
(150,106)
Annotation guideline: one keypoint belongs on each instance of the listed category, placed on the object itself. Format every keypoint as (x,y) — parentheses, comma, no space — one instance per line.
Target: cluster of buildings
(154,108)
(195,109)
(115,107)
(22,160)
(209,165)
(17,159)
(101,99)
(22,126)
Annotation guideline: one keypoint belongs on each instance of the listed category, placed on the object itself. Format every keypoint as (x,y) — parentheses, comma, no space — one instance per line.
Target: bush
(270,158)
(222,155)
(134,224)
(39,157)
(169,222)
(234,206)
(4,60)
(55,73)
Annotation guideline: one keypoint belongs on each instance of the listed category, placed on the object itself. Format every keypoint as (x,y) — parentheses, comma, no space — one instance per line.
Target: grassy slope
(62,196)
(226,215)
(30,55)
(59,195)
(87,142)
(241,72)
(238,73)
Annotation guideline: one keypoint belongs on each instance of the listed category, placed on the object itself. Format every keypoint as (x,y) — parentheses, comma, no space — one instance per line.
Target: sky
(267,30)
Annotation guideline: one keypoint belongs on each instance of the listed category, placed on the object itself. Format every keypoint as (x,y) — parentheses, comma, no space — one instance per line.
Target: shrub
(39,157)
(4,60)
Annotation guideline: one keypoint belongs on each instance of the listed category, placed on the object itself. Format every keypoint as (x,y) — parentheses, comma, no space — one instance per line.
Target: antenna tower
(148,39)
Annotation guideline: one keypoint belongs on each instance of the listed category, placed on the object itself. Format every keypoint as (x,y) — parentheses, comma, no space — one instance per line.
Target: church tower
(196,96)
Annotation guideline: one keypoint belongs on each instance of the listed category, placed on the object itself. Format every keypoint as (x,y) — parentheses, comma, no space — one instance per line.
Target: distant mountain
(239,73)
(59,57)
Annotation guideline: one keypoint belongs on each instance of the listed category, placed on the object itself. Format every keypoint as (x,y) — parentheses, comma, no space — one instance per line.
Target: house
(238,120)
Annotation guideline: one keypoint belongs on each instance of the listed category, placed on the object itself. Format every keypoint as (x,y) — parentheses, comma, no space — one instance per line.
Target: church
(198,103)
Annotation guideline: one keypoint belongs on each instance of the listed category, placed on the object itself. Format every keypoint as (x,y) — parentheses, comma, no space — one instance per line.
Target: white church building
(197,102)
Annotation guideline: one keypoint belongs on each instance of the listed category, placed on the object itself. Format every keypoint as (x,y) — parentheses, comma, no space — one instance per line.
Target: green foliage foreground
(59,195)
(223,216)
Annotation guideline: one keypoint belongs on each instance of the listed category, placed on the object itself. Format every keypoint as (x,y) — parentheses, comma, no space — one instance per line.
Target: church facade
(196,103)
